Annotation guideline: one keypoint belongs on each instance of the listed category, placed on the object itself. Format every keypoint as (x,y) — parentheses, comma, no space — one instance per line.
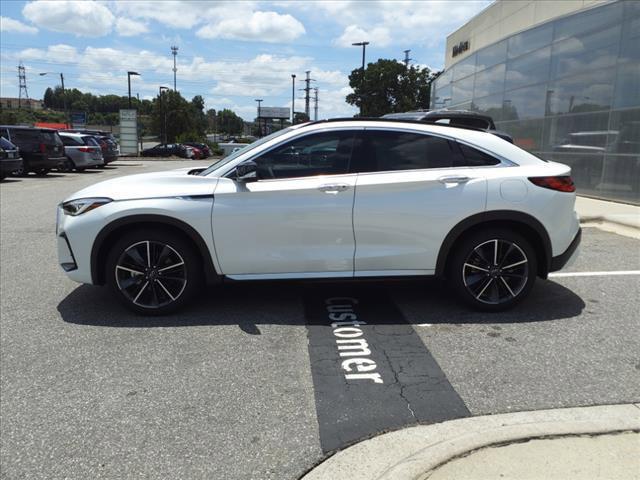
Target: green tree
(228,122)
(388,87)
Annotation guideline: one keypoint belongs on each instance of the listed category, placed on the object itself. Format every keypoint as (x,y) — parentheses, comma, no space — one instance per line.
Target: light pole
(364,48)
(64,95)
(259,100)
(164,114)
(129,82)
(174,52)
(293,97)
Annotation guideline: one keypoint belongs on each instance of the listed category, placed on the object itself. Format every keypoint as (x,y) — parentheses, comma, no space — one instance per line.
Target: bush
(214,147)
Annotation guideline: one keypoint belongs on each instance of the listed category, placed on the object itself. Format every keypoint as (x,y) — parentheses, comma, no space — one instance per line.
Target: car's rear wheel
(493,270)
(153,272)
(67,166)
(42,171)
(23,170)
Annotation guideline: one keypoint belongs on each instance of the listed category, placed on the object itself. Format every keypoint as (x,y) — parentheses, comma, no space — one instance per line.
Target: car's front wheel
(493,270)
(153,272)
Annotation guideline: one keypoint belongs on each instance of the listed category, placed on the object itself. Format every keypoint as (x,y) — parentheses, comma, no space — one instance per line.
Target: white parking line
(595,274)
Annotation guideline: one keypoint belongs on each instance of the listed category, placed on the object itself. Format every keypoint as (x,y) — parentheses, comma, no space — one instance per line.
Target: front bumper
(568,255)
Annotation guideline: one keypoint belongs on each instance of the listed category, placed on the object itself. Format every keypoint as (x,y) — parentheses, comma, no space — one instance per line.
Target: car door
(412,188)
(295,221)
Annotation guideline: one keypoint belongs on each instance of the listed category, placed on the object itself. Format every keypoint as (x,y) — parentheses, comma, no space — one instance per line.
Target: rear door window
(70,141)
(385,150)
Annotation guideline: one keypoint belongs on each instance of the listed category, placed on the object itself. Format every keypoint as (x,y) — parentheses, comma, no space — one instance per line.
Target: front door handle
(454,179)
(333,187)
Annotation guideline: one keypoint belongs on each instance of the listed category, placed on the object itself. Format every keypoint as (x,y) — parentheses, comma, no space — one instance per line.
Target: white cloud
(172,13)
(87,18)
(129,28)
(262,26)
(379,36)
(9,25)
(53,53)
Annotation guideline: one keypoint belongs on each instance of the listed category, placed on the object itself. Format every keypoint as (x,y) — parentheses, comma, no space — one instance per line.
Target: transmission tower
(315,104)
(307,94)
(174,52)
(406,58)
(22,77)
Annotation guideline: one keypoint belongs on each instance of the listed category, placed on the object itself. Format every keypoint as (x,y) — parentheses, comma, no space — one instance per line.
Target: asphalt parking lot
(247,382)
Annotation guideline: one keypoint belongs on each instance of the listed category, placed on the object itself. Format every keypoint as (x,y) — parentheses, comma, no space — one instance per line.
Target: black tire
(80,169)
(156,290)
(23,171)
(484,285)
(41,172)
(67,166)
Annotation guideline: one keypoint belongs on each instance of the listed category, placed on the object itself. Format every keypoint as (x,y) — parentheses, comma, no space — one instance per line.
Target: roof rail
(393,120)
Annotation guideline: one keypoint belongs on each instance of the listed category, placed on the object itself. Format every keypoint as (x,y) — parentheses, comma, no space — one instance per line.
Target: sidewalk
(599,442)
(612,216)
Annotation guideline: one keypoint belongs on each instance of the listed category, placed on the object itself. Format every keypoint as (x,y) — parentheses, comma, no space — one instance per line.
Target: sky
(230,52)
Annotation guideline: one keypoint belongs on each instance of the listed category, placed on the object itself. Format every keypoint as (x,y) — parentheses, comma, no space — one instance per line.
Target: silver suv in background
(83,151)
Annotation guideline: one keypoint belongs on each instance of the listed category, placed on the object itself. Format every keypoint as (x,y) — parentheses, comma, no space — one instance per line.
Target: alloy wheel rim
(151,274)
(495,271)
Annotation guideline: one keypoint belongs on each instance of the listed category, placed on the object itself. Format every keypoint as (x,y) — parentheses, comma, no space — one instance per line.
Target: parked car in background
(108,143)
(167,150)
(454,118)
(345,198)
(197,153)
(203,147)
(41,148)
(83,151)
(10,159)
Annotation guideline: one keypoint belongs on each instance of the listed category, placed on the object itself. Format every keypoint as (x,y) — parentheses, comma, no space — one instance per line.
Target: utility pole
(406,58)
(129,82)
(315,104)
(22,77)
(362,94)
(307,93)
(64,95)
(259,100)
(174,52)
(293,98)
(164,113)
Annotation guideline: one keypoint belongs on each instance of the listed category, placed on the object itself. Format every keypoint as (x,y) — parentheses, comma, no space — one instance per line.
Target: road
(247,382)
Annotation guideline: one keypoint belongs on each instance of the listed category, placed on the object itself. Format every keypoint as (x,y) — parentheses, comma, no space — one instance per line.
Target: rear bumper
(561,260)
(44,162)
(8,166)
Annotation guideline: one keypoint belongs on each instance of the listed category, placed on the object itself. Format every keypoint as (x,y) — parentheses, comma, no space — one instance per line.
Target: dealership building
(562,78)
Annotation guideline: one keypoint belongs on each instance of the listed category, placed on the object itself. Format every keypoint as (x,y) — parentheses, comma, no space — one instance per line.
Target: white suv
(330,199)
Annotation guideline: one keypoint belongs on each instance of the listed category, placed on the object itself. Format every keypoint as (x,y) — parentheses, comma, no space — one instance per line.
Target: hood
(172,183)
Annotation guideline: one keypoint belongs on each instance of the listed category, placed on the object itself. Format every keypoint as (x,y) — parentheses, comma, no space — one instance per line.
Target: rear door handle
(454,179)
(333,187)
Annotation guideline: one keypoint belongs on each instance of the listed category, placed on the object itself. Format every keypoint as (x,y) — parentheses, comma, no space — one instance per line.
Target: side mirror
(247,172)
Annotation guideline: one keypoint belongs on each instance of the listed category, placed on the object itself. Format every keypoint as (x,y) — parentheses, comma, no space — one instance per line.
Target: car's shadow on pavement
(249,304)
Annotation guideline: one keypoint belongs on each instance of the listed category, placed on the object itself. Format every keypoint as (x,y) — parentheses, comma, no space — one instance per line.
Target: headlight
(83,205)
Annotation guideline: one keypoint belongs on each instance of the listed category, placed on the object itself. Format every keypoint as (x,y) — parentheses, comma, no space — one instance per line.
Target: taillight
(561,183)
(43,148)
(86,149)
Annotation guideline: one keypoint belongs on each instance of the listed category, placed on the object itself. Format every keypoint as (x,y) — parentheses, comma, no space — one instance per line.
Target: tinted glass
(24,135)
(462,90)
(472,157)
(51,138)
(525,102)
(585,52)
(387,151)
(594,19)
(90,141)
(464,68)
(627,86)
(489,56)
(489,81)
(491,106)
(526,134)
(530,40)
(590,91)
(528,69)
(70,141)
(316,154)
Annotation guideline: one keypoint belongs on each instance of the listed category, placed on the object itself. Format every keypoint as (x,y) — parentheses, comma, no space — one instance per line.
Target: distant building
(563,78)
(9,103)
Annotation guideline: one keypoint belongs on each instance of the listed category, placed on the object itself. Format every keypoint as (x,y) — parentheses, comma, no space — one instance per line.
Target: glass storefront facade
(567,90)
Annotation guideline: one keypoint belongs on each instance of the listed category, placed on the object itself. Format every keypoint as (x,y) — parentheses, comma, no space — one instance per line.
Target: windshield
(244,150)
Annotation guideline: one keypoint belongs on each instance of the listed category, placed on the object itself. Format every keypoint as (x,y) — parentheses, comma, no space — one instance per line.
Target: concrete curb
(412,453)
